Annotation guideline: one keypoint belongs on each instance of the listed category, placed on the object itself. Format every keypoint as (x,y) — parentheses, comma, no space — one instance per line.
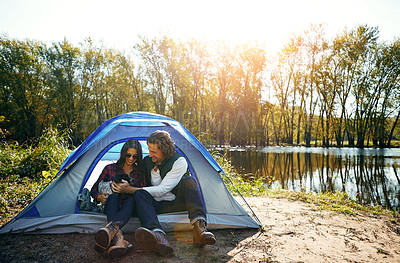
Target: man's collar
(163,162)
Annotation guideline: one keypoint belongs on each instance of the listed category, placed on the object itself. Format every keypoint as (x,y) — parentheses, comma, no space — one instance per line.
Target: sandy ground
(295,232)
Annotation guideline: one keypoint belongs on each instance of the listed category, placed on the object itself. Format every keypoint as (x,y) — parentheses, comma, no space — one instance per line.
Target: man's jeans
(187,199)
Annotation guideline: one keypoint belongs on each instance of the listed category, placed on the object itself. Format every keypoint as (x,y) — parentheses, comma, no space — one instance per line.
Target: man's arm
(171,179)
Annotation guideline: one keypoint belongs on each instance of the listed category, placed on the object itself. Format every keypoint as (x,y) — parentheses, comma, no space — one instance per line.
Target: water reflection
(369,176)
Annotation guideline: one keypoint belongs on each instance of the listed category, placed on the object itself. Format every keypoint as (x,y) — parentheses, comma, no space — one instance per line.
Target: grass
(17,193)
(338,201)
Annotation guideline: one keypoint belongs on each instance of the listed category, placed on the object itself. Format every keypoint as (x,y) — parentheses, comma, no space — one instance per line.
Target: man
(172,189)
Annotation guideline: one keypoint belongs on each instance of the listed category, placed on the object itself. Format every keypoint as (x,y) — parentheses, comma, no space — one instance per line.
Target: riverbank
(295,231)
(394,144)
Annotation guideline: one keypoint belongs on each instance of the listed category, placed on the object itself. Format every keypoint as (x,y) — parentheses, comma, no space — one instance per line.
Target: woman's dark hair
(164,142)
(132,143)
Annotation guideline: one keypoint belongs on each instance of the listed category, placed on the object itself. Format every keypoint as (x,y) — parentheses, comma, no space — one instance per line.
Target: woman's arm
(105,175)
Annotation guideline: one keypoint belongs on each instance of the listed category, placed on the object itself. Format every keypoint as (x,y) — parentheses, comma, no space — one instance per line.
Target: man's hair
(164,142)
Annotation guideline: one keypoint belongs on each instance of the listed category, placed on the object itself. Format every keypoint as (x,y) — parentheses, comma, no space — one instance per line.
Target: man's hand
(123,188)
(102,198)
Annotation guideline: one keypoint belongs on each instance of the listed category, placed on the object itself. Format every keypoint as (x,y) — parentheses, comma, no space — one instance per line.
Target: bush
(26,171)
(29,161)
(10,159)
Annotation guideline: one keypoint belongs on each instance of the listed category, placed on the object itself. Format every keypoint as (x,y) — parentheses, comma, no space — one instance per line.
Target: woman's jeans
(119,213)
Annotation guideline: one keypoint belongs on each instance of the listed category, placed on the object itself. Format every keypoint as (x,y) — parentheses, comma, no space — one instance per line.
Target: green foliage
(10,159)
(234,182)
(49,154)
(25,171)
(30,161)
(323,90)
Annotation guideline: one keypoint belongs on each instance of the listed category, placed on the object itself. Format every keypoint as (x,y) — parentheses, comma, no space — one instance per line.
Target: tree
(246,95)
(62,63)
(198,63)
(151,54)
(327,97)
(222,82)
(286,79)
(366,92)
(386,80)
(314,43)
(21,87)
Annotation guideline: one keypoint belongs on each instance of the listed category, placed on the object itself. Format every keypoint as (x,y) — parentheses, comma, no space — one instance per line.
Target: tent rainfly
(56,210)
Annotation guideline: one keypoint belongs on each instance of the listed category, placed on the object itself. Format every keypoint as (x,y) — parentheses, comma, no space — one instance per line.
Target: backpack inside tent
(56,209)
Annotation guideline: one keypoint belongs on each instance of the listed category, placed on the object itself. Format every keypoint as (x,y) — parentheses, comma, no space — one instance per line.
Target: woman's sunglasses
(130,155)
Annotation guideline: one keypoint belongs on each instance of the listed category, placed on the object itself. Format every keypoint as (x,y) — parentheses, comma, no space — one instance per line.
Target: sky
(118,23)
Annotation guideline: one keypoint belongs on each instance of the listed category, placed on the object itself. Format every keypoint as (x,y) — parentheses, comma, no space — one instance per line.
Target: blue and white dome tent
(56,209)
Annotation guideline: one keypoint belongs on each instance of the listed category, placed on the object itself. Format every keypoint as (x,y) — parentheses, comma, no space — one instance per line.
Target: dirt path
(296,232)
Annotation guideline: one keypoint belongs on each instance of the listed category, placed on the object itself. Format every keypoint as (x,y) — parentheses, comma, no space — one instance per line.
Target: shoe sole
(119,251)
(99,248)
(203,242)
(209,241)
(163,250)
(102,238)
(148,241)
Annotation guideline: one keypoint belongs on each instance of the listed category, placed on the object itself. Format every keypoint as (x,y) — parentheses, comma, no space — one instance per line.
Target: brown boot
(119,246)
(201,236)
(104,236)
(153,241)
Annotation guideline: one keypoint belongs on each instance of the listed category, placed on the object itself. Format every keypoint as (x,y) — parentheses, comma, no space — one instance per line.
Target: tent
(56,209)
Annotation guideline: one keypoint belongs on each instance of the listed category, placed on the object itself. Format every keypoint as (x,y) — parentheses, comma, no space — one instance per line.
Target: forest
(343,91)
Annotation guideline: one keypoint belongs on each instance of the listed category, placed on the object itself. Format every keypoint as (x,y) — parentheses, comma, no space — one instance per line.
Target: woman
(119,205)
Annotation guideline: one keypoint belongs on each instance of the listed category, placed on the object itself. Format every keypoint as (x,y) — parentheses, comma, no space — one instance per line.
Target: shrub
(10,159)
(25,171)
(29,161)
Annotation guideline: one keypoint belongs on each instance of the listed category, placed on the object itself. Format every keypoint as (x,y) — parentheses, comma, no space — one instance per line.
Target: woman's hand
(102,198)
(123,187)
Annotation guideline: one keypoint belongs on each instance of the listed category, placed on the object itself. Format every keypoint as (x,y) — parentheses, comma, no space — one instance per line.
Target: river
(369,176)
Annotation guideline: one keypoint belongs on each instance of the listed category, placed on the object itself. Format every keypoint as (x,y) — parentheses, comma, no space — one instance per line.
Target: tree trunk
(392,130)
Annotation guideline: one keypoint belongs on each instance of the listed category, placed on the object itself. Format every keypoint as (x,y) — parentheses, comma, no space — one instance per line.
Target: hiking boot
(119,246)
(201,236)
(104,236)
(153,241)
